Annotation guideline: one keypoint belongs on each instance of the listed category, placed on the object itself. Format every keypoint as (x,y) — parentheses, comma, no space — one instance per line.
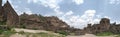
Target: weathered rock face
(32,21)
(8,14)
(104,26)
(105,21)
(98,28)
(56,22)
(115,29)
(2,14)
(40,22)
(12,17)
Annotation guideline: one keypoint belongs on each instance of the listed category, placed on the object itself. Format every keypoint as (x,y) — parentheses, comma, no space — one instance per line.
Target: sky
(76,13)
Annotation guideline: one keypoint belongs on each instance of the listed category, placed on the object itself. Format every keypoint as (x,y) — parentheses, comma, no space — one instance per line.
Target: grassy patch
(6,33)
(104,34)
(42,34)
(63,33)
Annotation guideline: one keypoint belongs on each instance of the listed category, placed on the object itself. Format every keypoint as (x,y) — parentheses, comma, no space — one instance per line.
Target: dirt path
(90,35)
(34,31)
(86,35)
(38,31)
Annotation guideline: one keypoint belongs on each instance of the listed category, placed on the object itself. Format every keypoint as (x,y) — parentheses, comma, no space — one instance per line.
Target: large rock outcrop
(9,17)
(104,26)
(35,21)
(8,14)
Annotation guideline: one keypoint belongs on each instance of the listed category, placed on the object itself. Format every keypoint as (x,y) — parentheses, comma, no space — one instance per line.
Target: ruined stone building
(104,26)
(8,14)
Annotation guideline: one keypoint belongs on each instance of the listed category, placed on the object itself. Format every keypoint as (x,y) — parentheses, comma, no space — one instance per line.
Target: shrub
(2,22)
(1,31)
(42,33)
(22,26)
(62,32)
(7,33)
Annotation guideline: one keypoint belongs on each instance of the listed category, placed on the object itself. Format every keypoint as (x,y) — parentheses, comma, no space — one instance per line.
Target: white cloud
(114,2)
(34,1)
(88,15)
(78,2)
(20,10)
(69,13)
(57,11)
(28,11)
(47,3)
(107,17)
(96,21)
(117,22)
(78,21)
(53,4)
(98,16)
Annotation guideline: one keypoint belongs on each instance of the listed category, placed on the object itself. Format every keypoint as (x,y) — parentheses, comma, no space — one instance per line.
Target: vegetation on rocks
(14,33)
(2,23)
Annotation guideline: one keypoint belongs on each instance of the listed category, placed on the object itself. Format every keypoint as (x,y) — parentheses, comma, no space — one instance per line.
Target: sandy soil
(17,35)
(34,31)
(38,31)
(86,35)
(90,35)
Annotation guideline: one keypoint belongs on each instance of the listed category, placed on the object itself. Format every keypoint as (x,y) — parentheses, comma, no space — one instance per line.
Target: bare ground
(91,35)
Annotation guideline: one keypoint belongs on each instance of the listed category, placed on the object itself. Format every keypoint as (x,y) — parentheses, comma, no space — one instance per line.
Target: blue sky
(76,13)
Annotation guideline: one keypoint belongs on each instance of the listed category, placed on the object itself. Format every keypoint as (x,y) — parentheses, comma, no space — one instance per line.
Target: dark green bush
(22,26)
(63,33)
(1,31)
(2,22)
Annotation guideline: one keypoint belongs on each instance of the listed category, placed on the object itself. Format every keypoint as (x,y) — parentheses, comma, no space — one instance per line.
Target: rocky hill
(9,18)
(35,21)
